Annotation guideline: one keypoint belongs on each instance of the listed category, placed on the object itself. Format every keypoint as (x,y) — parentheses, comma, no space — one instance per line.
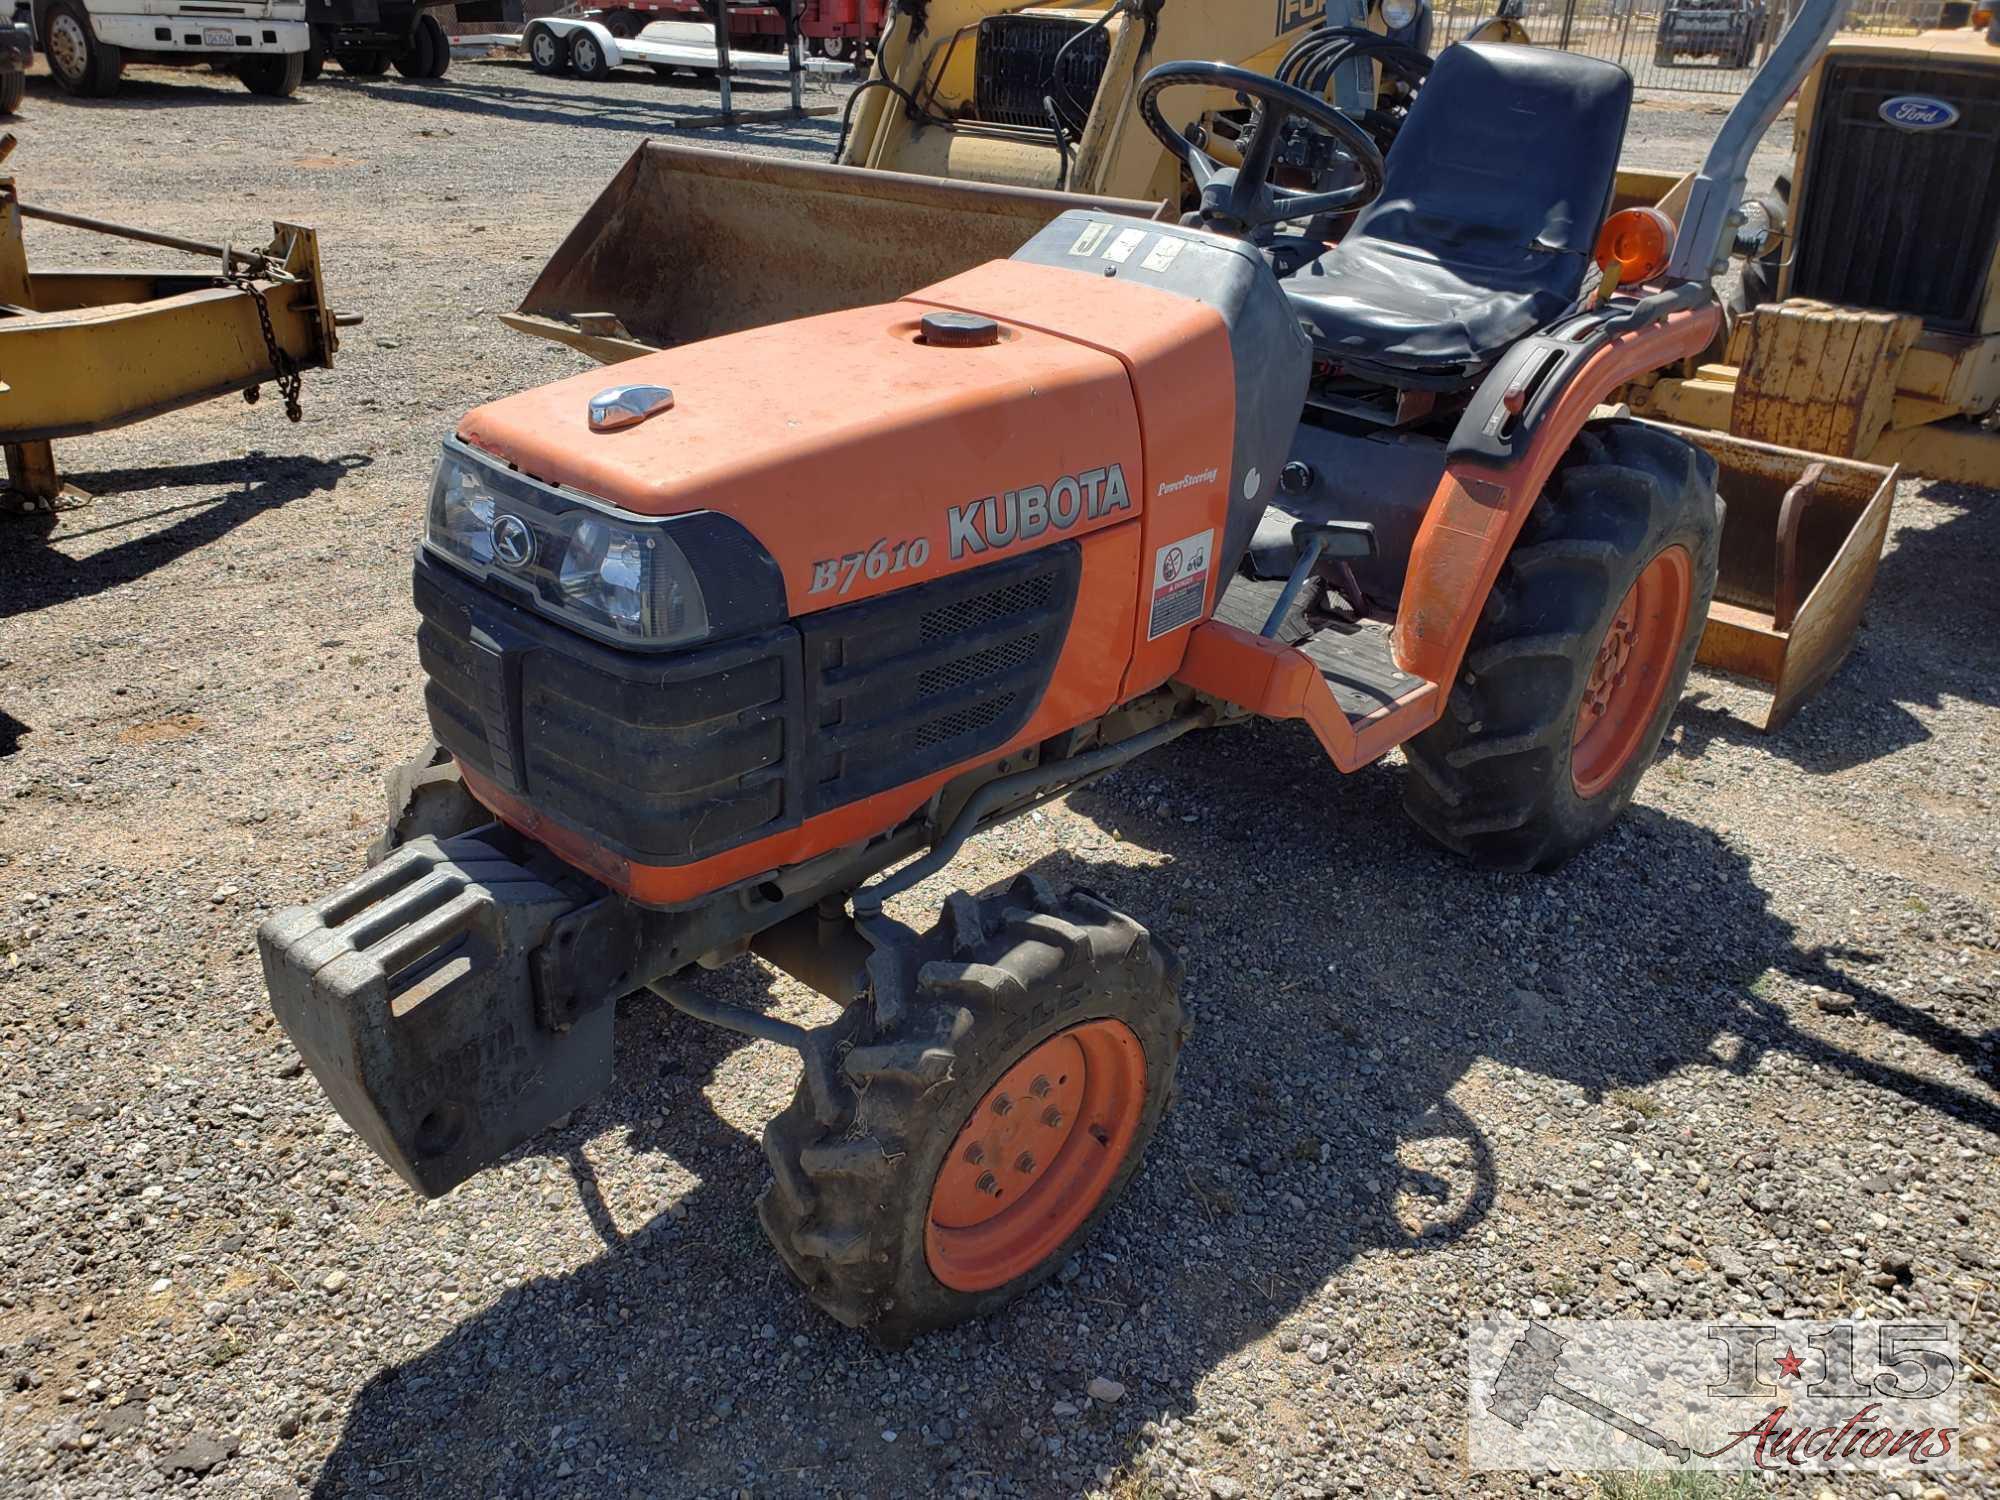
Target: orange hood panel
(862,460)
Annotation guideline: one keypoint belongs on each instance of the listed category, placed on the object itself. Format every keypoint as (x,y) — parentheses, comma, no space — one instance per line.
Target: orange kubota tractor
(731,652)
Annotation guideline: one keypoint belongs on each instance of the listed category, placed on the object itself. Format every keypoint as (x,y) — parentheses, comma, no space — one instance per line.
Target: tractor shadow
(233,491)
(1927,638)
(1346,984)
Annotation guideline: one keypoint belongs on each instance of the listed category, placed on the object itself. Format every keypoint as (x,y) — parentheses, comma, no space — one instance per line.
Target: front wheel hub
(1036,1156)
(1628,677)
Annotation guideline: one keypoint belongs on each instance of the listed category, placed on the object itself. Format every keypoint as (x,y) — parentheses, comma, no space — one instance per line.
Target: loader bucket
(1801,541)
(686,244)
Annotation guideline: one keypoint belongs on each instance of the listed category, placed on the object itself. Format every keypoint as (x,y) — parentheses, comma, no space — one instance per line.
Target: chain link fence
(1697,46)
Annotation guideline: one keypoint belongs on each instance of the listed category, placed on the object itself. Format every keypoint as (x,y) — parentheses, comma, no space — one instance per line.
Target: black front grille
(910,683)
(1015,70)
(664,758)
(1899,219)
(671,757)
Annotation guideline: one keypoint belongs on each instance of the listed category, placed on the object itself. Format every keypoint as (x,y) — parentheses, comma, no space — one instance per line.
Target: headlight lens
(1399,14)
(462,511)
(609,574)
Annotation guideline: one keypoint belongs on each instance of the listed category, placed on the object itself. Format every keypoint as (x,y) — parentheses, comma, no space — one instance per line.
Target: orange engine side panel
(862,459)
(1177,354)
(1086,683)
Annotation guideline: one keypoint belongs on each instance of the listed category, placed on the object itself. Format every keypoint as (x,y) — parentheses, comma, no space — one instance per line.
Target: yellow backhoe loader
(85,351)
(982,120)
(1869,324)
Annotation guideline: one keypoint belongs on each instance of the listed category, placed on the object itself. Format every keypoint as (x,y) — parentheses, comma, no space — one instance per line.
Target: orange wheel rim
(1036,1156)
(1627,680)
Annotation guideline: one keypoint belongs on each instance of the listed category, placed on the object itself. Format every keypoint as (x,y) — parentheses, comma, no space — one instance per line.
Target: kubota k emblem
(1021,515)
(513,541)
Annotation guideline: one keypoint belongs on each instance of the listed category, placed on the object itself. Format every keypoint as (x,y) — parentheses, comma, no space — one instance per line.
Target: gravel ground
(1739,1057)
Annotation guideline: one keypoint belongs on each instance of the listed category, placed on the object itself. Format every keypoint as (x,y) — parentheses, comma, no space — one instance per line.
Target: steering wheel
(1238,200)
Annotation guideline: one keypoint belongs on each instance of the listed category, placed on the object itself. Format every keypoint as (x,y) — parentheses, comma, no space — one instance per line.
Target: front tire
(1580,656)
(79,62)
(273,75)
(982,1128)
(547,53)
(13,89)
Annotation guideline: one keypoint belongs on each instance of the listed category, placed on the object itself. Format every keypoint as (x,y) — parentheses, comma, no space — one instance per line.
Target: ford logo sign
(1911,112)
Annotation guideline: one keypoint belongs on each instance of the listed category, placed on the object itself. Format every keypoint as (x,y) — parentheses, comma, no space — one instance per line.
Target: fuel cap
(957,330)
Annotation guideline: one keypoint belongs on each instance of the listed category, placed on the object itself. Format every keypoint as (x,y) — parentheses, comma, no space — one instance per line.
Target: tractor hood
(861,454)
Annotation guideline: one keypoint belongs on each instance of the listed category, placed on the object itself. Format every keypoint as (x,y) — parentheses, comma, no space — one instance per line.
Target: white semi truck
(271,45)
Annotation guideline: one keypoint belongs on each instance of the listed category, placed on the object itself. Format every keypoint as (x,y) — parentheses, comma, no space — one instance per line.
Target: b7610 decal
(838,574)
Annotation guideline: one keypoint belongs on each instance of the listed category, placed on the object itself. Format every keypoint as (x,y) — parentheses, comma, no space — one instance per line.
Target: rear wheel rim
(69,48)
(543,49)
(583,52)
(1629,676)
(1036,1156)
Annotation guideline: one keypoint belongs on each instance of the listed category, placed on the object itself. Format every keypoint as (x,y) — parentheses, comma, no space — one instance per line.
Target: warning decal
(1180,583)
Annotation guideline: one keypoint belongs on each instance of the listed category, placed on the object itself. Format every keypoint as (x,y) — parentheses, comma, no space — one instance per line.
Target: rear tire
(587,59)
(1022,979)
(273,75)
(429,52)
(363,64)
(79,62)
(1555,718)
(13,89)
(315,55)
(548,53)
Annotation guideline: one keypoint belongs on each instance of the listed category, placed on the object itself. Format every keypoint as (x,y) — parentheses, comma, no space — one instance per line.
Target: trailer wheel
(363,63)
(586,57)
(983,1128)
(13,89)
(81,64)
(546,53)
(1580,655)
(274,75)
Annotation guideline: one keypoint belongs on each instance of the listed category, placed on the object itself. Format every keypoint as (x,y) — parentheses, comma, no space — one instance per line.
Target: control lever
(1343,539)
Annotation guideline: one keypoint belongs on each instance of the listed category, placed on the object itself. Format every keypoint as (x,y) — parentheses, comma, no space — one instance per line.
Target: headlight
(602,571)
(1398,15)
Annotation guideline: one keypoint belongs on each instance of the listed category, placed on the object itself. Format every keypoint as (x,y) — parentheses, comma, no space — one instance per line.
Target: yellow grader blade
(685,244)
(1801,541)
(92,350)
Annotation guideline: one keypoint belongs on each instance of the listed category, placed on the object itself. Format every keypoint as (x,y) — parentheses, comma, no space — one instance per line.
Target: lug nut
(1002,1104)
(975,1153)
(1040,1087)
(1052,1117)
(1024,1163)
(988,1184)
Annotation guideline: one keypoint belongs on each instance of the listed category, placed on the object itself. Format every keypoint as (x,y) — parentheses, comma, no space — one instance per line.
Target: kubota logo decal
(1024,514)
(1911,112)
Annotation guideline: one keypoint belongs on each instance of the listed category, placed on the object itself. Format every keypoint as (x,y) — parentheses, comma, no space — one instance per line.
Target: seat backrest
(1509,153)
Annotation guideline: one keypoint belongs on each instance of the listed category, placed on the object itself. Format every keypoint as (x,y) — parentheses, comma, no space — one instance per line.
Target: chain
(287,372)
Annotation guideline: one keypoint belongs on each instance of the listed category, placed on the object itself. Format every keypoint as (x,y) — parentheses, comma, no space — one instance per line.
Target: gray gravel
(1740,1056)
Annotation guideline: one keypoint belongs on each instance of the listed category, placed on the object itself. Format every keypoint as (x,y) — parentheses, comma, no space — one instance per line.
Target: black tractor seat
(1494,192)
